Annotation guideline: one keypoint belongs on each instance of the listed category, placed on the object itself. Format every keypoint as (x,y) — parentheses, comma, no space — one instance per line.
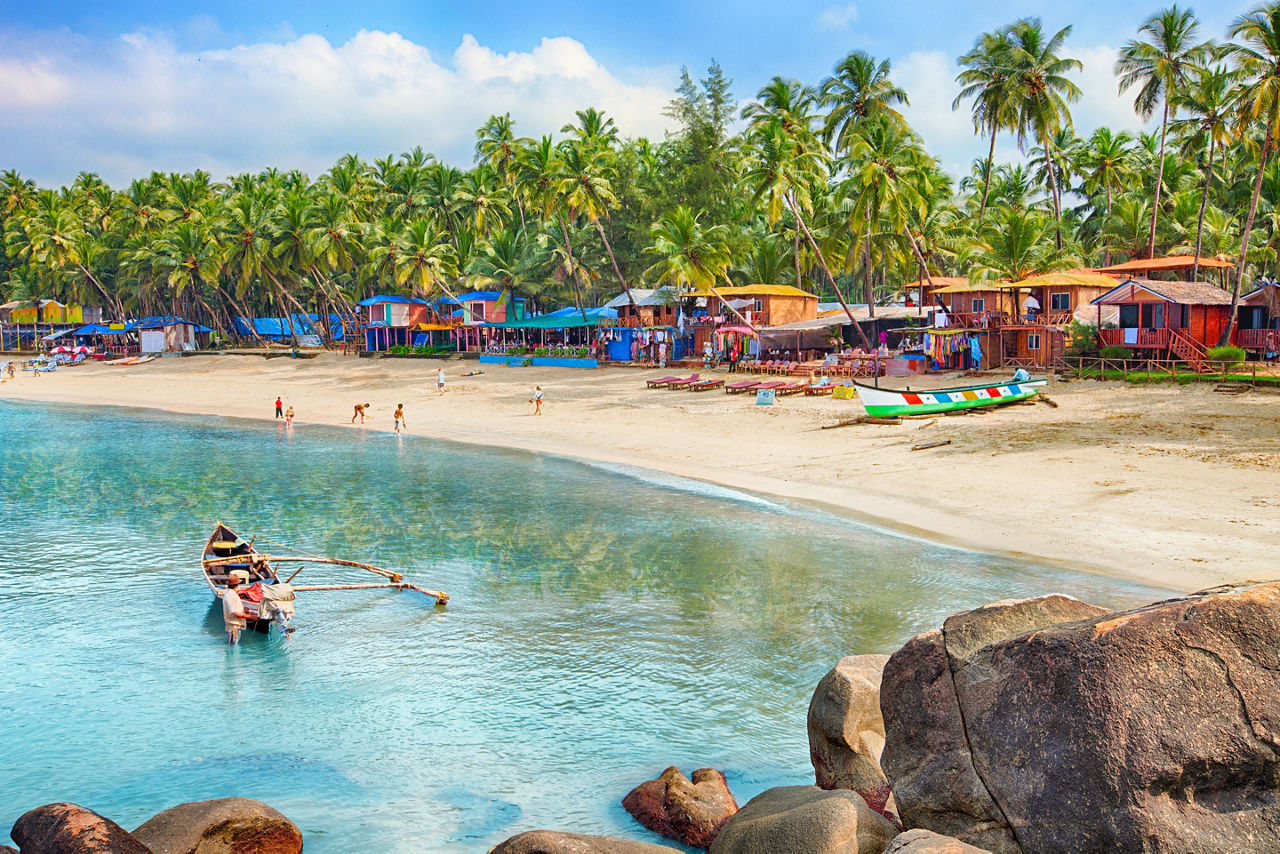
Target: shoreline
(1176,512)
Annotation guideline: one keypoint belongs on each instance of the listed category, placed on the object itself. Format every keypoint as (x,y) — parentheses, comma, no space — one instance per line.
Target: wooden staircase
(1187,349)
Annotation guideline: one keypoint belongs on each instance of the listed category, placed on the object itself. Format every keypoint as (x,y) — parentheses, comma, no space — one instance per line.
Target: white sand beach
(1174,486)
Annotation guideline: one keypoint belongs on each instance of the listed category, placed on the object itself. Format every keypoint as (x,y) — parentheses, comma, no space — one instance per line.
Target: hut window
(759,305)
(978,305)
(1033,340)
(1128,317)
(1060,302)
(476,310)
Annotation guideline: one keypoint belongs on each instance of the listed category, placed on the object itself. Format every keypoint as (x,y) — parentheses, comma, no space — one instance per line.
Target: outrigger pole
(395,579)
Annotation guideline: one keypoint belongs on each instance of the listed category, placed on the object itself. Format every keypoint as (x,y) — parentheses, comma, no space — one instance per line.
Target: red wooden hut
(1180,319)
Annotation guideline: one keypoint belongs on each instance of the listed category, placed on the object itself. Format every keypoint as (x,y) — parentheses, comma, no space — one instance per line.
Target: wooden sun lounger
(742,387)
(774,384)
(684,382)
(790,388)
(706,384)
(661,382)
(815,390)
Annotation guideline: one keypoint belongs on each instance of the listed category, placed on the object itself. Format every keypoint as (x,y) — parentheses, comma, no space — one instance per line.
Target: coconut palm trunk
(1230,328)
(573,269)
(614,261)
(986,178)
(1204,203)
(795,210)
(248,318)
(1155,205)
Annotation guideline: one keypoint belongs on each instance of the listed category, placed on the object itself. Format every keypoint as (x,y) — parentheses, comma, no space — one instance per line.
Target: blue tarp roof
(478,296)
(160,321)
(394,299)
(94,329)
(278,328)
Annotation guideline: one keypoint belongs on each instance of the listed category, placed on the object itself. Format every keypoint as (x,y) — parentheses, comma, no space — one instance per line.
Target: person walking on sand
(279,407)
(399,416)
(536,400)
(440,381)
(288,417)
(360,408)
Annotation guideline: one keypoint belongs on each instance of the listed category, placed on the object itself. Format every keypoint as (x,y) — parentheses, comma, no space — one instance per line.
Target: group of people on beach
(281,412)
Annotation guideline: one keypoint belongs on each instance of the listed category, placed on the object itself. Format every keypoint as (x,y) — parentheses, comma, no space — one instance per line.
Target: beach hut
(974,305)
(1035,331)
(1176,319)
(166,334)
(1258,320)
(772,305)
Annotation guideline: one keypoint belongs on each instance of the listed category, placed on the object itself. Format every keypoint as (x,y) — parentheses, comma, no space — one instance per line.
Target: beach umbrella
(83,349)
(61,349)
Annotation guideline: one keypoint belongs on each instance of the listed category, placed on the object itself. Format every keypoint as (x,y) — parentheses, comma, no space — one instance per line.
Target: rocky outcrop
(791,819)
(552,842)
(72,829)
(689,811)
(921,841)
(223,826)
(846,731)
(1049,725)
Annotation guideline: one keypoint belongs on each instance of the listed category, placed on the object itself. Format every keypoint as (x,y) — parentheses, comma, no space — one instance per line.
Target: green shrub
(398,350)
(1231,355)
(1115,351)
(1082,339)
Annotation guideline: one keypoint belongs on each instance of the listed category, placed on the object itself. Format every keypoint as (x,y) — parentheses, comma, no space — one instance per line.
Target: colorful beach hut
(167,334)
(1178,319)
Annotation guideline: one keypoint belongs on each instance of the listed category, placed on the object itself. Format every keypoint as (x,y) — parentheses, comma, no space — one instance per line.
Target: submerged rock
(553,842)
(223,826)
(1049,725)
(71,829)
(792,819)
(846,731)
(927,842)
(689,811)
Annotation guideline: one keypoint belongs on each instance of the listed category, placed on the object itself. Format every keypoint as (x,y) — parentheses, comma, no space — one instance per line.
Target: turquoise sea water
(604,624)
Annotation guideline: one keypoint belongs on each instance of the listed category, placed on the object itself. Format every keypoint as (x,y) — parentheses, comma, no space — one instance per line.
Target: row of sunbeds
(694,382)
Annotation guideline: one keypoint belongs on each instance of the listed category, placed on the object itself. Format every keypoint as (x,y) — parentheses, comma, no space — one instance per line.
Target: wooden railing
(1154,338)
(1257,339)
(1166,369)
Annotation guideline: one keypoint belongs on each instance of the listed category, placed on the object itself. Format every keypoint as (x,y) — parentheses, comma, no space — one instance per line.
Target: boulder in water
(689,811)
(71,829)
(1052,726)
(790,819)
(846,731)
(223,826)
(553,842)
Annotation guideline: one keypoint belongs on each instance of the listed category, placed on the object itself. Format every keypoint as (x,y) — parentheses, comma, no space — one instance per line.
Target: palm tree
(1257,58)
(585,190)
(859,88)
(1209,102)
(1106,164)
(690,257)
(425,259)
(1162,65)
(987,79)
(1042,92)
(1016,245)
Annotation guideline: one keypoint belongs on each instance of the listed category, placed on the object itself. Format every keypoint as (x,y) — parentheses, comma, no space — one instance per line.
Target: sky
(123,89)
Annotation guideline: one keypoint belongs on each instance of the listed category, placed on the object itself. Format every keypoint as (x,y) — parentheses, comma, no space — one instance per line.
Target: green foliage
(1115,351)
(1228,354)
(1082,339)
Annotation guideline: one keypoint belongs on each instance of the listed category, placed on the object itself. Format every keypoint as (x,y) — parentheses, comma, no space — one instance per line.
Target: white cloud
(138,103)
(838,17)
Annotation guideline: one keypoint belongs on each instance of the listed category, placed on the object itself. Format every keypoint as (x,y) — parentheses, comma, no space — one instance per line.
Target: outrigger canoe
(888,402)
(226,552)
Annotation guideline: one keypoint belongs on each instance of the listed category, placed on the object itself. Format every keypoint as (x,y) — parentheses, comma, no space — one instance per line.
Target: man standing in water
(279,407)
(233,616)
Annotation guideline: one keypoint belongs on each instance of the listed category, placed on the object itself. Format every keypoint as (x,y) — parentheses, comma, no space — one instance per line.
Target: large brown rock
(553,842)
(223,826)
(72,829)
(846,731)
(689,811)
(1051,726)
(792,819)
(922,841)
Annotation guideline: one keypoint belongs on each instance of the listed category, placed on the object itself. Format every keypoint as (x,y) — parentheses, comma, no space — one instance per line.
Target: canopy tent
(564,318)
(161,321)
(94,329)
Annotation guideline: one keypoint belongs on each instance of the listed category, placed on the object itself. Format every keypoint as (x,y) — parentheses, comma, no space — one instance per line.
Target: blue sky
(124,88)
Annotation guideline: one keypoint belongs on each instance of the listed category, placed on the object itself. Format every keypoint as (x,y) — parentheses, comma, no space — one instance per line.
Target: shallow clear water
(604,624)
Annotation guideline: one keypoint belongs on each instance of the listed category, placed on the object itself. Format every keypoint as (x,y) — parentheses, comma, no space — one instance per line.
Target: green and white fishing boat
(888,402)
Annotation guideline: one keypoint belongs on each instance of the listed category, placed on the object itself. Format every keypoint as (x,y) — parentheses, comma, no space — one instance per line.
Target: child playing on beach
(399,416)
(536,400)
(360,408)
(288,417)
(440,380)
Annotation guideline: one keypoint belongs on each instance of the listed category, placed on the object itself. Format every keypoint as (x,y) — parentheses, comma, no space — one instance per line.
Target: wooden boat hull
(225,545)
(888,402)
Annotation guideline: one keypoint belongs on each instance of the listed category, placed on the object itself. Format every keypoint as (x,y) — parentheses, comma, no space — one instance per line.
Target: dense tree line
(825,186)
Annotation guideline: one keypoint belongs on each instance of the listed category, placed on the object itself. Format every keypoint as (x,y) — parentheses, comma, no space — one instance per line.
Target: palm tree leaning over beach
(1161,66)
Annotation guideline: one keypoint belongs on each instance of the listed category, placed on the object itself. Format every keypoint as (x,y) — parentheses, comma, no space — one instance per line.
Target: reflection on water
(602,627)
